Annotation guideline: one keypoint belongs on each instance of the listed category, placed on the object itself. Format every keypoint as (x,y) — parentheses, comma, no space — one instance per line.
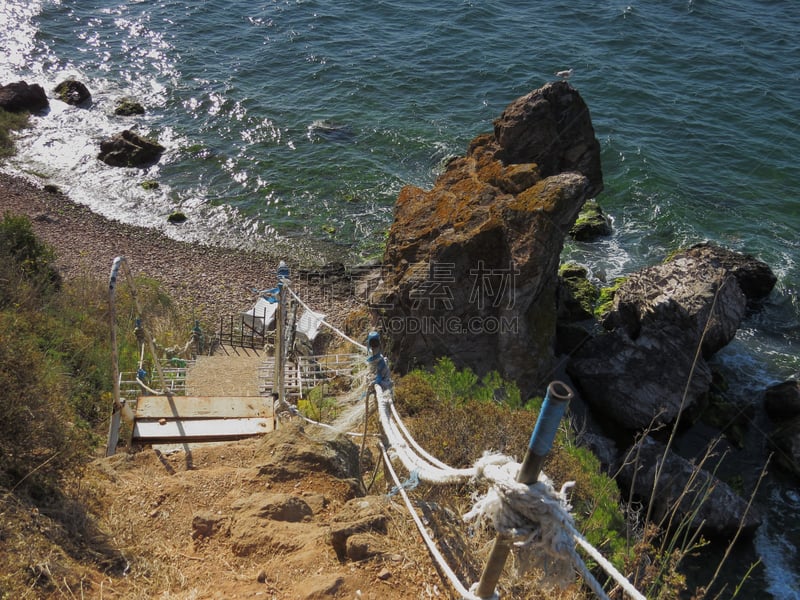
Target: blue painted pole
(555,405)
(377,361)
(553,409)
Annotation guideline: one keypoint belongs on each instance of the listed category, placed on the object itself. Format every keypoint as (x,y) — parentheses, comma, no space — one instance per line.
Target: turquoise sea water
(296,123)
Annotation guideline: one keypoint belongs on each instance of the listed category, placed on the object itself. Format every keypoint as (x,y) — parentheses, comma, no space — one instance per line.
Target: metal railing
(306,372)
(244,331)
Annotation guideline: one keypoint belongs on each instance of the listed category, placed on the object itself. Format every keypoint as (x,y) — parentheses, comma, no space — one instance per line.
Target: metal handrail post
(555,404)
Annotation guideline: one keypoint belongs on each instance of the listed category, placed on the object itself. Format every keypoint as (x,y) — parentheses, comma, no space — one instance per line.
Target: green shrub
(55,359)
(9,122)
(26,264)
(414,394)
(449,385)
(38,435)
(319,406)
(595,498)
(462,419)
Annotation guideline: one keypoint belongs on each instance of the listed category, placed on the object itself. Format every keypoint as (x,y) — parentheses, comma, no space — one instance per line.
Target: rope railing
(339,332)
(429,542)
(526,510)
(508,503)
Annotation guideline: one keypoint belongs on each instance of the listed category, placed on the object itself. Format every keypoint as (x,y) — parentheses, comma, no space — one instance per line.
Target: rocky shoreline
(209,281)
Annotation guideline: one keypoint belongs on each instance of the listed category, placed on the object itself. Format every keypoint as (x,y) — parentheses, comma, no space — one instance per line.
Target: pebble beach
(210,281)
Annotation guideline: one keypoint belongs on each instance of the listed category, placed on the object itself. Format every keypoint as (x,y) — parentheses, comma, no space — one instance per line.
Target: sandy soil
(197,526)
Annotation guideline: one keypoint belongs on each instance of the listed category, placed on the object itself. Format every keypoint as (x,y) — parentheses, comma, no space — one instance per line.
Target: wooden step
(162,419)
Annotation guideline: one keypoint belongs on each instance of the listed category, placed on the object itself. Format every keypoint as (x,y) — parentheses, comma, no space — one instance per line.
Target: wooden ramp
(177,419)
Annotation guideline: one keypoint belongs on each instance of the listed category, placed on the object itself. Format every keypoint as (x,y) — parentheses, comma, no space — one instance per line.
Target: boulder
(551,127)
(664,323)
(684,493)
(471,265)
(127,107)
(127,149)
(73,92)
(689,291)
(640,382)
(782,401)
(785,441)
(22,97)
(755,278)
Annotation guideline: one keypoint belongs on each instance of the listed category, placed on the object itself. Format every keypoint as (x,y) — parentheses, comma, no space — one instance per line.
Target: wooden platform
(175,419)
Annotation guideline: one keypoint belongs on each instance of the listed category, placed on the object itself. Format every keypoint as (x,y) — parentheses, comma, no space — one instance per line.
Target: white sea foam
(778,549)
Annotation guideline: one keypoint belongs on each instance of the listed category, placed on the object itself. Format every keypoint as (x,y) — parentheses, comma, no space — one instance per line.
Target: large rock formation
(665,321)
(471,265)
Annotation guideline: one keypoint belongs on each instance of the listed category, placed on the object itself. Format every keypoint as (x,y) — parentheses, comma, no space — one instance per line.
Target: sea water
(293,124)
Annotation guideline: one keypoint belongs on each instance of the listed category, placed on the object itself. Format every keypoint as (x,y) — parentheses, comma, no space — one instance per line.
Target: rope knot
(534,516)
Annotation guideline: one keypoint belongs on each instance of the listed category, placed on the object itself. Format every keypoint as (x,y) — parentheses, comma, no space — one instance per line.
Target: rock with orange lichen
(471,265)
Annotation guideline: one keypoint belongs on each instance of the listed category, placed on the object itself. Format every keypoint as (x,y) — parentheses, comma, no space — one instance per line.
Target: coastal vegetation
(9,123)
(459,416)
(55,373)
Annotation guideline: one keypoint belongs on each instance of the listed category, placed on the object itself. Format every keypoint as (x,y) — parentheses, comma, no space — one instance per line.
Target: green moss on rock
(577,295)
(127,107)
(591,223)
(605,300)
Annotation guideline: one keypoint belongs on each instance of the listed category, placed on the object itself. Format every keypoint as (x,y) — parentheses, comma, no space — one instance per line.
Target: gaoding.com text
(449,325)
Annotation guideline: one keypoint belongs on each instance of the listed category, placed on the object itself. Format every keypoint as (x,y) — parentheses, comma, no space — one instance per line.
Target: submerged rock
(128,149)
(73,93)
(591,223)
(128,107)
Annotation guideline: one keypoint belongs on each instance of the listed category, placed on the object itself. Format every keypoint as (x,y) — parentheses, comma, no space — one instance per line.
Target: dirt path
(234,374)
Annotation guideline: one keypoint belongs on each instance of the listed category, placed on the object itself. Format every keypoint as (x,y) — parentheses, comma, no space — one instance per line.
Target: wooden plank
(209,407)
(198,430)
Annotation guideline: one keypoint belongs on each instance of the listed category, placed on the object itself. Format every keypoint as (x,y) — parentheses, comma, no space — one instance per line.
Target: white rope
(324,322)
(537,515)
(147,388)
(534,516)
(454,580)
(431,459)
(296,413)
(606,565)
(430,472)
